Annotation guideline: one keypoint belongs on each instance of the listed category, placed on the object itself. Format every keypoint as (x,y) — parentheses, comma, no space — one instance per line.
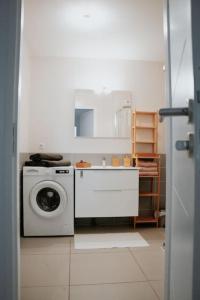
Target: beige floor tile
(44,245)
(152,233)
(151,262)
(96,268)
(153,246)
(44,270)
(125,291)
(45,293)
(158,287)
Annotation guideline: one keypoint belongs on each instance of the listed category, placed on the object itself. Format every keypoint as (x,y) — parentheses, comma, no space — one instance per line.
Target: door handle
(178,111)
(186,145)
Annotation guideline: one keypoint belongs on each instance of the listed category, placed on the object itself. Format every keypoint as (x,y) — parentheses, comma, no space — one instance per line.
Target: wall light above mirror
(102,114)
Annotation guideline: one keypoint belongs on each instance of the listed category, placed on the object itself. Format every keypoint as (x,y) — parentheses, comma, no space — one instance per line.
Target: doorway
(94,63)
(88,62)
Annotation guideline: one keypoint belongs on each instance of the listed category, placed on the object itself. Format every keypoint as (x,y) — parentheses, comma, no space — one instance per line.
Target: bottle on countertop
(103,161)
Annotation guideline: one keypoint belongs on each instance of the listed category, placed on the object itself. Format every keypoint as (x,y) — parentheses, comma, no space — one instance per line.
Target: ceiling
(106,29)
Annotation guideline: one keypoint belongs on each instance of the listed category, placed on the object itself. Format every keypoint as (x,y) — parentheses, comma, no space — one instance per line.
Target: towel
(47,164)
(147,164)
(148,173)
(46,156)
(144,169)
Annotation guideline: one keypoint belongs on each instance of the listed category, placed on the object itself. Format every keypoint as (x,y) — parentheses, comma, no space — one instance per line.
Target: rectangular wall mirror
(104,115)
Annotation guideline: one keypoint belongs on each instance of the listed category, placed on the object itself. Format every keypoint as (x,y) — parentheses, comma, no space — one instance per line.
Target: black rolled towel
(34,163)
(46,156)
(47,164)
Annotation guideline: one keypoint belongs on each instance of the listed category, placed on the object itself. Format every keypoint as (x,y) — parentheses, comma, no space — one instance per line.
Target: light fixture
(86,16)
(89,16)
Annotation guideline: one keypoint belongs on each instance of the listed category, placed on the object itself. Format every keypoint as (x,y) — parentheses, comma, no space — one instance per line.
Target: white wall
(53,81)
(24,98)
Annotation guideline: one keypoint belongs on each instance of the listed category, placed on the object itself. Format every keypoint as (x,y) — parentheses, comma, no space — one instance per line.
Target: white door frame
(195,11)
(10,27)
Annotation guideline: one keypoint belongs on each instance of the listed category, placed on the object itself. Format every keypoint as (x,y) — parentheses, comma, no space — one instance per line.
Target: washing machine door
(48,199)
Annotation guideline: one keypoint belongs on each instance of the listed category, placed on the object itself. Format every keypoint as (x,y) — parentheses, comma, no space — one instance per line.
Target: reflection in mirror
(102,114)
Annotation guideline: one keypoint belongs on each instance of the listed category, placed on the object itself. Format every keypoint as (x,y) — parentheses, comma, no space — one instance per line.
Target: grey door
(10,11)
(181,165)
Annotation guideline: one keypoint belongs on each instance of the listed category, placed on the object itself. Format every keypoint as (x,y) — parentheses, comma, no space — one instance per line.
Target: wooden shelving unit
(144,149)
(144,132)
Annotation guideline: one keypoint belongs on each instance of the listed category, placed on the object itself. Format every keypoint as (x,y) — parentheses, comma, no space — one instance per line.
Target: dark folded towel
(46,156)
(47,164)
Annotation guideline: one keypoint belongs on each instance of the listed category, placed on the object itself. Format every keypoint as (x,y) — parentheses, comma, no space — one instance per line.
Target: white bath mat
(109,240)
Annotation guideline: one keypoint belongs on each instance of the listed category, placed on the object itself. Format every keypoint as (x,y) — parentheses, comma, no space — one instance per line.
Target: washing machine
(48,201)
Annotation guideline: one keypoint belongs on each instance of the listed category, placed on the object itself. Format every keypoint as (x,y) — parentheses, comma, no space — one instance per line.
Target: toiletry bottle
(103,161)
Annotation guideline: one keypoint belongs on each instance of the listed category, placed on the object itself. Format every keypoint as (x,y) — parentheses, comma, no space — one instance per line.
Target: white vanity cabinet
(106,192)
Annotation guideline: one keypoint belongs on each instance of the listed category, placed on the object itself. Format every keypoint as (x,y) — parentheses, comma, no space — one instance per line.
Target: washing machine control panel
(62,171)
(43,171)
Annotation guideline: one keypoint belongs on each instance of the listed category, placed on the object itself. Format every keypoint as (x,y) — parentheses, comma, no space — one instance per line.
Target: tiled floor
(53,270)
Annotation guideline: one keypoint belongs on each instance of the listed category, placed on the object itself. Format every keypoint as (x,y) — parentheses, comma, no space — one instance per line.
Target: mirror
(102,114)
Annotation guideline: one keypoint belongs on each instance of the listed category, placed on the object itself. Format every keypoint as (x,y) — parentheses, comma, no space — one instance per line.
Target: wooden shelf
(144,147)
(147,155)
(145,220)
(149,176)
(149,194)
(144,112)
(145,142)
(144,127)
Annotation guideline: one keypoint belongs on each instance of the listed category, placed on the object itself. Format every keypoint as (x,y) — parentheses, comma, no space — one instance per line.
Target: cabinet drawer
(107,203)
(108,179)
(106,193)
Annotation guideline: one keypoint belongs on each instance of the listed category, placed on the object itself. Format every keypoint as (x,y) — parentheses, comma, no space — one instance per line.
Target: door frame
(10,29)
(195,10)
(168,147)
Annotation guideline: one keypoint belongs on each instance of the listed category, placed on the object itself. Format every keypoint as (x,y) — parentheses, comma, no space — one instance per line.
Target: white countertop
(108,168)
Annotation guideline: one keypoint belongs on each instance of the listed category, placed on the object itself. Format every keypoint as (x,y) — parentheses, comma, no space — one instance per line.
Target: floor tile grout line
(135,260)
(70,255)
(147,280)
(100,252)
(154,289)
(46,254)
(86,284)
(91,284)
(110,283)
(45,286)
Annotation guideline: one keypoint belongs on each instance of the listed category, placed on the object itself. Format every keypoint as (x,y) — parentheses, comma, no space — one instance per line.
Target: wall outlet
(41,146)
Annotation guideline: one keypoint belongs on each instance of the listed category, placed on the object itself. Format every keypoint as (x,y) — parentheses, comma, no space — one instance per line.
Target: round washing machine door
(48,199)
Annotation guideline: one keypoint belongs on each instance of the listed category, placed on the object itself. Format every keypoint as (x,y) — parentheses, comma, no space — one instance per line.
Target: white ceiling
(117,29)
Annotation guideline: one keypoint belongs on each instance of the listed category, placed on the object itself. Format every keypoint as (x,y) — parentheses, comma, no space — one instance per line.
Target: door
(181,162)
(10,11)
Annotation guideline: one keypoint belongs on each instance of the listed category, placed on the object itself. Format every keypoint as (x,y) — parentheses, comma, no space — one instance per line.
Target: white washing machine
(48,201)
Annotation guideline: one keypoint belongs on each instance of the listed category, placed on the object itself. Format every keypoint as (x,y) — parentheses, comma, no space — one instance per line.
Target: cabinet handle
(107,190)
